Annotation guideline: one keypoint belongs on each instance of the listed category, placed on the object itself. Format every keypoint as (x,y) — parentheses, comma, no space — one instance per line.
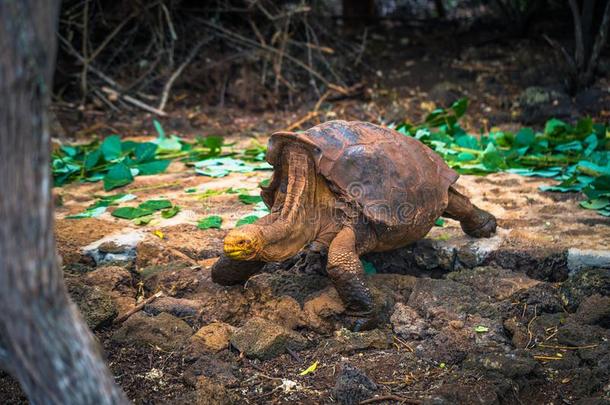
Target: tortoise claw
(484,227)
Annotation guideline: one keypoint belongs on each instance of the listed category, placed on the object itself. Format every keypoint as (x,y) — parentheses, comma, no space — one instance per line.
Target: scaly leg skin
(345,270)
(474,221)
(232,272)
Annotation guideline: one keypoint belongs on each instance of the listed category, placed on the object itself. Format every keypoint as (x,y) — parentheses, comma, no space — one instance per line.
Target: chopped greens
(576,155)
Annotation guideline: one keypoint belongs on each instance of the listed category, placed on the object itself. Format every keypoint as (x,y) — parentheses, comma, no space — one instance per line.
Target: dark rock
(174,280)
(187,310)
(511,365)
(537,264)
(352,386)
(211,338)
(346,341)
(589,100)
(538,104)
(96,305)
(425,257)
(573,333)
(164,331)
(585,284)
(586,382)
(481,392)
(263,339)
(294,284)
(407,323)
(111,278)
(448,299)
(595,310)
(212,366)
(495,282)
(451,340)
(544,297)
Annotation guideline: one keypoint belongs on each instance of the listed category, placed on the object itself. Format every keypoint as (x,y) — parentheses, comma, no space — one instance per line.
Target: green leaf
(170,212)
(368,267)
(491,158)
(555,127)
(525,137)
(69,150)
(111,148)
(118,175)
(159,129)
(467,141)
(221,167)
(153,167)
(439,222)
(145,220)
(574,146)
(459,107)
(593,169)
(89,213)
(465,156)
(155,205)
(145,152)
(596,203)
(481,329)
(264,183)
(130,212)
(92,158)
(250,199)
(213,221)
(248,219)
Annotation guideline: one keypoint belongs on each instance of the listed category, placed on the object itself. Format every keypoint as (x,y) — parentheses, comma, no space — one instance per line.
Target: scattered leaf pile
(117,162)
(578,156)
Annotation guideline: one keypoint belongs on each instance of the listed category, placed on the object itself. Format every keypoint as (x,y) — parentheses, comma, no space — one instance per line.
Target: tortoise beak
(240,246)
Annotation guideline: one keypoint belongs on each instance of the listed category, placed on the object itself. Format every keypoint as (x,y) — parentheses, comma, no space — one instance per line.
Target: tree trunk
(44,342)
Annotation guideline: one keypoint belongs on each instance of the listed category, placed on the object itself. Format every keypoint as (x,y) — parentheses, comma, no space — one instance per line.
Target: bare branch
(600,42)
(578,38)
(178,72)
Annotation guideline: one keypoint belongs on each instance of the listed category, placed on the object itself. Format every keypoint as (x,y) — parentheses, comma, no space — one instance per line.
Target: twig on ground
(134,101)
(137,308)
(391,397)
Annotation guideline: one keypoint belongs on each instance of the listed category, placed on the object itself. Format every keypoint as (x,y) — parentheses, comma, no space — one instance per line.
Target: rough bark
(44,343)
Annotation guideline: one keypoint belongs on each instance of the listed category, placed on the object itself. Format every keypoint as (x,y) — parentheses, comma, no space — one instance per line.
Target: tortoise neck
(297,222)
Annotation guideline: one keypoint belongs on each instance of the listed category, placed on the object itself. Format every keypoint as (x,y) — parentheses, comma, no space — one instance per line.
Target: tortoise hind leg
(474,221)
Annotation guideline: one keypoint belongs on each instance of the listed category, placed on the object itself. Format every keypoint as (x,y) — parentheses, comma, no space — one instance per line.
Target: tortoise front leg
(346,271)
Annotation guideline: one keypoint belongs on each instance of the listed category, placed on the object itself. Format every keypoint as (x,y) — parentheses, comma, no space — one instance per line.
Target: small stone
(352,386)
(96,305)
(595,310)
(164,331)
(456,324)
(263,339)
(407,323)
(511,365)
(585,284)
(182,308)
(284,311)
(213,337)
(346,341)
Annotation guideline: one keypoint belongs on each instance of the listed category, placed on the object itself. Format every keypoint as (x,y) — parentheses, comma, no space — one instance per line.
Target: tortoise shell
(394,180)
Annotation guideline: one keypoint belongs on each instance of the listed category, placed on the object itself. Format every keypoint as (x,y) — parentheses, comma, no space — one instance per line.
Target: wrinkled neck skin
(295,218)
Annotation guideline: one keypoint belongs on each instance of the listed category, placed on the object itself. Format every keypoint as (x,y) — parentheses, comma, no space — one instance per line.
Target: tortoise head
(245,243)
